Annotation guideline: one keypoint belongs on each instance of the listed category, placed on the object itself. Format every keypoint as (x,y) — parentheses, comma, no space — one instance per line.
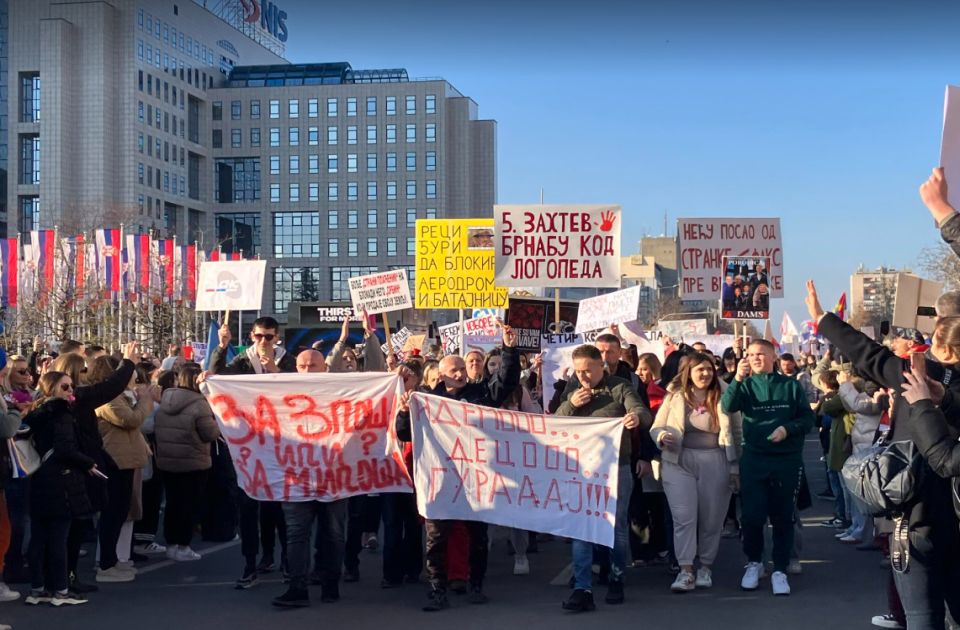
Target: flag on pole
(768,335)
(108,246)
(9,258)
(44,248)
(80,269)
(840,310)
(191,265)
(178,267)
(787,328)
(138,258)
(213,340)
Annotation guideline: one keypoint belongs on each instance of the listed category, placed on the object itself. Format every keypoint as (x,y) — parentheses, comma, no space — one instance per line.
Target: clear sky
(826,114)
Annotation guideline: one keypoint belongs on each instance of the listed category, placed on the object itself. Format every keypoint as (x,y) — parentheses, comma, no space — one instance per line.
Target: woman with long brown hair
(700,446)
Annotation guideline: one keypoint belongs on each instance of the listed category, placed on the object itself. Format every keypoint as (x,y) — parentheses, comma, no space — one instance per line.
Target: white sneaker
(114,574)
(842,534)
(521,566)
(780,584)
(8,595)
(751,577)
(684,583)
(886,621)
(151,549)
(704,578)
(127,565)
(795,568)
(171,551)
(186,554)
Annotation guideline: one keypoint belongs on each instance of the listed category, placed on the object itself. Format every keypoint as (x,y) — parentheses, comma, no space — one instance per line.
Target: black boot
(580,600)
(329,593)
(293,598)
(437,600)
(614,592)
(477,596)
(77,586)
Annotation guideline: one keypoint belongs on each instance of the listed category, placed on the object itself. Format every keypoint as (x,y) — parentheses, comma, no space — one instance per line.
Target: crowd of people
(712,447)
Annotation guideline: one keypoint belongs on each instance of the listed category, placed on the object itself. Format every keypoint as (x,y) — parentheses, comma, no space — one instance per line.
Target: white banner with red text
(529,471)
(306,437)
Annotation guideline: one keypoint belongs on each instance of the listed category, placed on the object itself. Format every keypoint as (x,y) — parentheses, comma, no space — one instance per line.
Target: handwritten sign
(610,308)
(455,263)
(481,326)
(380,292)
(557,246)
(704,243)
(677,329)
(397,340)
(306,437)
(450,338)
(528,471)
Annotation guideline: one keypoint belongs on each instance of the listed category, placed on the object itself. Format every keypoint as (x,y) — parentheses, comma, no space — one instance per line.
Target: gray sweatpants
(698,491)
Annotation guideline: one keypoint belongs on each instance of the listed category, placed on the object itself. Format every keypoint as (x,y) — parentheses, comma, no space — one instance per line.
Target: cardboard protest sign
(414,342)
(306,437)
(950,143)
(705,242)
(528,471)
(610,308)
(914,301)
(380,292)
(746,288)
(235,285)
(557,246)
(455,264)
(531,318)
(679,328)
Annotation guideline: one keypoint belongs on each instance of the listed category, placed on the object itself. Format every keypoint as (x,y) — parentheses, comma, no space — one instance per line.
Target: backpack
(885,477)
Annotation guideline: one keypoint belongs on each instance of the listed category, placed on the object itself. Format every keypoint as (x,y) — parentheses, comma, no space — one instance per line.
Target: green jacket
(768,401)
(840,427)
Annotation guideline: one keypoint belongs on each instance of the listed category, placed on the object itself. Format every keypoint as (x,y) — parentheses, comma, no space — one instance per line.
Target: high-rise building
(183,118)
(873,291)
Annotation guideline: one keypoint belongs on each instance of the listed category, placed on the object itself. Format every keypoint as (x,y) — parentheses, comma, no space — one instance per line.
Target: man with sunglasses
(262,357)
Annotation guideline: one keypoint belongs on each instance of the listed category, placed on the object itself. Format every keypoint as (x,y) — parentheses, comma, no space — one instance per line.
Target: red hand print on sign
(606,220)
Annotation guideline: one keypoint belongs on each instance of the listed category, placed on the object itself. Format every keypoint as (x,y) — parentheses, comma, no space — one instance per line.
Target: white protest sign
(381,292)
(610,308)
(199,351)
(529,471)
(679,328)
(950,143)
(485,326)
(714,343)
(557,246)
(397,340)
(234,285)
(306,437)
(557,353)
(483,343)
(704,243)
(450,338)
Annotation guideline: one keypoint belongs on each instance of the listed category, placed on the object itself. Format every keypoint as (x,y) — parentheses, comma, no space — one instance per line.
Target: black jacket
(942,452)
(241,364)
(950,232)
(489,393)
(58,489)
(932,517)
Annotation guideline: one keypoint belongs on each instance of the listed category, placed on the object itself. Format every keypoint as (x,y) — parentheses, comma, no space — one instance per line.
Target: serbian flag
(214,255)
(80,267)
(840,310)
(108,246)
(45,247)
(165,265)
(190,263)
(236,256)
(138,260)
(8,272)
(178,268)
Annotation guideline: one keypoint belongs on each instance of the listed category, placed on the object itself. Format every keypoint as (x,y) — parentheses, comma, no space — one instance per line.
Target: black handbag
(885,477)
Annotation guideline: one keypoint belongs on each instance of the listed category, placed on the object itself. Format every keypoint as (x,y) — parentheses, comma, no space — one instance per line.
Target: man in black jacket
(262,357)
(491,392)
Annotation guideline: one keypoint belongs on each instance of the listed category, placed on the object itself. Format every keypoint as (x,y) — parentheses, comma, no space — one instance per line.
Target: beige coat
(119,424)
(671,417)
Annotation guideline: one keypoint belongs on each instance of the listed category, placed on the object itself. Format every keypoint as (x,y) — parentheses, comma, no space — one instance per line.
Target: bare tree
(939,263)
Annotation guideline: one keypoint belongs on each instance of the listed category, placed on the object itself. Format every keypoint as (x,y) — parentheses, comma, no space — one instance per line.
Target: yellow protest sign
(455,265)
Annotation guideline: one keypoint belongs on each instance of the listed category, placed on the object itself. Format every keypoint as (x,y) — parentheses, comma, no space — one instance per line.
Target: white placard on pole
(234,285)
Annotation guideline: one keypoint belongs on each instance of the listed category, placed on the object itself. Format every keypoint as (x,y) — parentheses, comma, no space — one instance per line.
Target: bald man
(490,392)
(311,362)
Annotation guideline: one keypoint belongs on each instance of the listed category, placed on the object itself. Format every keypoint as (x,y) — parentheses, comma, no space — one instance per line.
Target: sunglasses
(267,336)
(66,387)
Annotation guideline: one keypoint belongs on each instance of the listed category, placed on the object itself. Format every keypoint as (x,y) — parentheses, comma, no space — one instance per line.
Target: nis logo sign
(270,16)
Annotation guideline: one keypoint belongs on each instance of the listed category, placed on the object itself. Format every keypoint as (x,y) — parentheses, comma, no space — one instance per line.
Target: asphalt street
(840,588)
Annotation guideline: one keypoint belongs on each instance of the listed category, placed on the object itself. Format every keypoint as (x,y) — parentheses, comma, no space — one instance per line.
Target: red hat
(415,352)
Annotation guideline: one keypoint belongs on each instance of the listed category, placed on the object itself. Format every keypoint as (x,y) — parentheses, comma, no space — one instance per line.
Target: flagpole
(123,272)
(19,271)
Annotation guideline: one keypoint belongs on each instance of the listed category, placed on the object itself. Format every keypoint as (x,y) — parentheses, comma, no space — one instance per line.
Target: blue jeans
(839,505)
(582,551)
(331,525)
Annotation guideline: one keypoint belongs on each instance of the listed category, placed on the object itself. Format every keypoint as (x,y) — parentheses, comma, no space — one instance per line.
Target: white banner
(535,472)
(557,246)
(704,243)
(610,308)
(306,437)
(234,285)
(677,328)
(380,292)
(950,143)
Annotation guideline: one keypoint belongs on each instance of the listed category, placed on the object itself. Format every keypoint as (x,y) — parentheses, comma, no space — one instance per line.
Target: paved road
(840,588)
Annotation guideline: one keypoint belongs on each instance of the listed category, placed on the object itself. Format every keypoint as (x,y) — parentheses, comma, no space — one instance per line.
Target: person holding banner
(776,417)
(492,392)
(700,451)
(262,357)
(596,394)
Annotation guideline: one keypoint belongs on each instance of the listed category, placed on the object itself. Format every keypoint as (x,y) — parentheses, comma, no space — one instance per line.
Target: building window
(351,162)
(313,164)
(371,162)
(140,172)
(29,218)
(218,138)
(391,217)
(237,180)
(411,133)
(431,132)
(391,106)
(371,246)
(431,161)
(411,246)
(411,189)
(340,276)
(391,246)
(332,163)
(235,138)
(431,189)
(274,193)
(371,106)
(391,190)
(216,108)
(353,219)
(430,104)
(353,191)
(411,217)
(293,135)
(295,285)
(411,161)
(411,105)
(391,134)
(274,109)
(331,135)
(332,220)
(313,136)
(254,136)
(351,134)
(255,109)
(391,162)
(294,234)
(431,213)
(372,219)
(234,109)
(353,247)
(351,106)
(371,134)
(371,191)
(238,232)
(293,108)
(29,97)
(332,191)
(274,164)
(294,164)
(313,189)
(331,107)
(140,141)
(140,111)
(333,248)
(312,108)
(274,136)
(294,192)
